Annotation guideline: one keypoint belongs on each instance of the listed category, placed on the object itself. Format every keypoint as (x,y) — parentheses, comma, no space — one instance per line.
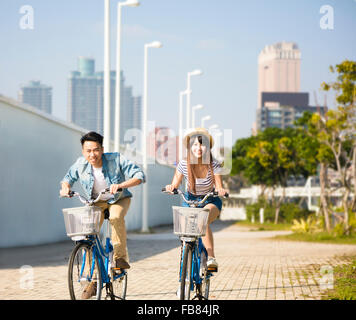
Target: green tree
(336,134)
(272,156)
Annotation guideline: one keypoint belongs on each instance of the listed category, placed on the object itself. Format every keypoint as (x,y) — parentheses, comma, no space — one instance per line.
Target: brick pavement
(252,266)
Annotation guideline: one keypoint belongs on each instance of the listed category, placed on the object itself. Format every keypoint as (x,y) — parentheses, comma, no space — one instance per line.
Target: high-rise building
(137,109)
(279,100)
(281,115)
(278,69)
(37,95)
(86,100)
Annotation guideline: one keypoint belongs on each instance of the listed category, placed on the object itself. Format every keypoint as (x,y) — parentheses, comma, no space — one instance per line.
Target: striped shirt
(202,185)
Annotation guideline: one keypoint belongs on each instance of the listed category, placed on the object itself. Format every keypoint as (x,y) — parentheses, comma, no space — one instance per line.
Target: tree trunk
(277,214)
(278,207)
(346,212)
(353,207)
(324,204)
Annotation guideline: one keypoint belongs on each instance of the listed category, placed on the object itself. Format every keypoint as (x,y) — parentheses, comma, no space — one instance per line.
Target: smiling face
(92,152)
(197,148)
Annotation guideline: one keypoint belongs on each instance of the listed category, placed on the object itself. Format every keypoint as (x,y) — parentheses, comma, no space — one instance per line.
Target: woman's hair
(192,162)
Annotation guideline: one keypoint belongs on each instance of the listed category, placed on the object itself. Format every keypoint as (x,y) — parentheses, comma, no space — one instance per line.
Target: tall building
(282,114)
(279,100)
(279,69)
(86,100)
(37,95)
(137,108)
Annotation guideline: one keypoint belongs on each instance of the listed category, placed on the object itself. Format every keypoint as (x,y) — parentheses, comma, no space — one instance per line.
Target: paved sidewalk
(252,265)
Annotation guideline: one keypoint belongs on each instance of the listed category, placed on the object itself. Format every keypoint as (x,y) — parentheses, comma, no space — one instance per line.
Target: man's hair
(92,136)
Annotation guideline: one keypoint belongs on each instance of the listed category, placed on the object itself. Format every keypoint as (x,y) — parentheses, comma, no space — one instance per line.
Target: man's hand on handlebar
(65,191)
(114,188)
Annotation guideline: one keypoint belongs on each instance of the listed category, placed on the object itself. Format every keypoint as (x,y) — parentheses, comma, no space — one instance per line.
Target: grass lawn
(267,226)
(321,237)
(344,283)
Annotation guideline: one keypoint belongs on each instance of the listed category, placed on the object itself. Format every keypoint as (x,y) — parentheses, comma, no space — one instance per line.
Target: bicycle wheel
(119,286)
(186,275)
(205,287)
(83,272)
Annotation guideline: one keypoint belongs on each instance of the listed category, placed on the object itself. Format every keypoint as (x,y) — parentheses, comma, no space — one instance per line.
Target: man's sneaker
(89,291)
(212,264)
(121,264)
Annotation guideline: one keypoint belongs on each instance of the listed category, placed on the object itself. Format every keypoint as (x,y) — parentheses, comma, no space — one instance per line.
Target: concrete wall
(36,151)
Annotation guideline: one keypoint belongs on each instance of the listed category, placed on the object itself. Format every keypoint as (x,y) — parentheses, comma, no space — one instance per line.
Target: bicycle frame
(198,250)
(197,247)
(103,258)
(94,262)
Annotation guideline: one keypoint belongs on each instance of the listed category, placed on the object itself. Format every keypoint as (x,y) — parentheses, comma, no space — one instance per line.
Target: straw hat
(198,131)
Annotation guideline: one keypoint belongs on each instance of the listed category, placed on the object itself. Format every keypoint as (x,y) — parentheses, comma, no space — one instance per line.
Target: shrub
(310,225)
(288,211)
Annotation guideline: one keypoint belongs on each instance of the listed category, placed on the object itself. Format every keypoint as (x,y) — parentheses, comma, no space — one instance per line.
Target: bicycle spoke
(84,274)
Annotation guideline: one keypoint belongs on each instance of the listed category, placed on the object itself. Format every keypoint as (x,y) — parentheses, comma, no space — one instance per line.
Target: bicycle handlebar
(213,193)
(91,201)
(195,202)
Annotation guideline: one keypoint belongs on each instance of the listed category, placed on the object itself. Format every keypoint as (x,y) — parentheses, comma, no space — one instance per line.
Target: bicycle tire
(76,281)
(186,275)
(119,287)
(204,288)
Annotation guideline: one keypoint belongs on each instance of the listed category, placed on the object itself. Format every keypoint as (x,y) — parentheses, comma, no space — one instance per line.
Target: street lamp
(213,126)
(106,123)
(206,118)
(128,3)
(154,44)
(181,94)
(197,107)
(216,149)
(190,74)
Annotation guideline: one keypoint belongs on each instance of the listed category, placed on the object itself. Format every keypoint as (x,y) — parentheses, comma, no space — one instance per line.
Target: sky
(222,38)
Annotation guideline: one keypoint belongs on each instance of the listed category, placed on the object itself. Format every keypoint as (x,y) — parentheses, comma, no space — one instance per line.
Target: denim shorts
(214,200)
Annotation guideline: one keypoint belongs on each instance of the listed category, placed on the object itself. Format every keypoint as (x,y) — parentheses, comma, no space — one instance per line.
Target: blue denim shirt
(115,168)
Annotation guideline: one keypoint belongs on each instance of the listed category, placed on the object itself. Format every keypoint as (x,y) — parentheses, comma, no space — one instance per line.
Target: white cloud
(136,30)
(211,44)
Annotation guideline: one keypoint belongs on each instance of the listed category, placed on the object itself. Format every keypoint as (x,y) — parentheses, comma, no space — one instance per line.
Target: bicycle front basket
(190,221)
(82,221)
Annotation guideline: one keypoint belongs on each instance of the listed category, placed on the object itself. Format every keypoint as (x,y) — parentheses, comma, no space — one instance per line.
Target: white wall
(36,151)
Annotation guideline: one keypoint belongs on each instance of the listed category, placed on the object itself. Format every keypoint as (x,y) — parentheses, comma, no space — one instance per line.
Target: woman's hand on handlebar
(221,192)
(170,188)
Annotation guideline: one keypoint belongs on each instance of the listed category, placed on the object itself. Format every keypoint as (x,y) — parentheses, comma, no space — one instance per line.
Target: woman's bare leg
(208,239)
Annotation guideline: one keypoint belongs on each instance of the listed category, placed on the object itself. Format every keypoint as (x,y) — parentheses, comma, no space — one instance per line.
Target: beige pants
(118,212)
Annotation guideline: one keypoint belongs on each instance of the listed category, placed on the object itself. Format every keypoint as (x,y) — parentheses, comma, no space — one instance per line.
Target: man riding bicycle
(96,171)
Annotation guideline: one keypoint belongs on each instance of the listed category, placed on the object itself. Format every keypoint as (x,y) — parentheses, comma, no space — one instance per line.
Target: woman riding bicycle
(201,172)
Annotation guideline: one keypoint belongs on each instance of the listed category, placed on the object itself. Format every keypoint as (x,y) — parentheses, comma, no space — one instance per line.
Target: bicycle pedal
(118,270)
(212,269)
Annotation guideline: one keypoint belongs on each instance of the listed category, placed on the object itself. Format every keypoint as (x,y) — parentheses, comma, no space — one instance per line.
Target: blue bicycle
(89,266)
(190,225)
